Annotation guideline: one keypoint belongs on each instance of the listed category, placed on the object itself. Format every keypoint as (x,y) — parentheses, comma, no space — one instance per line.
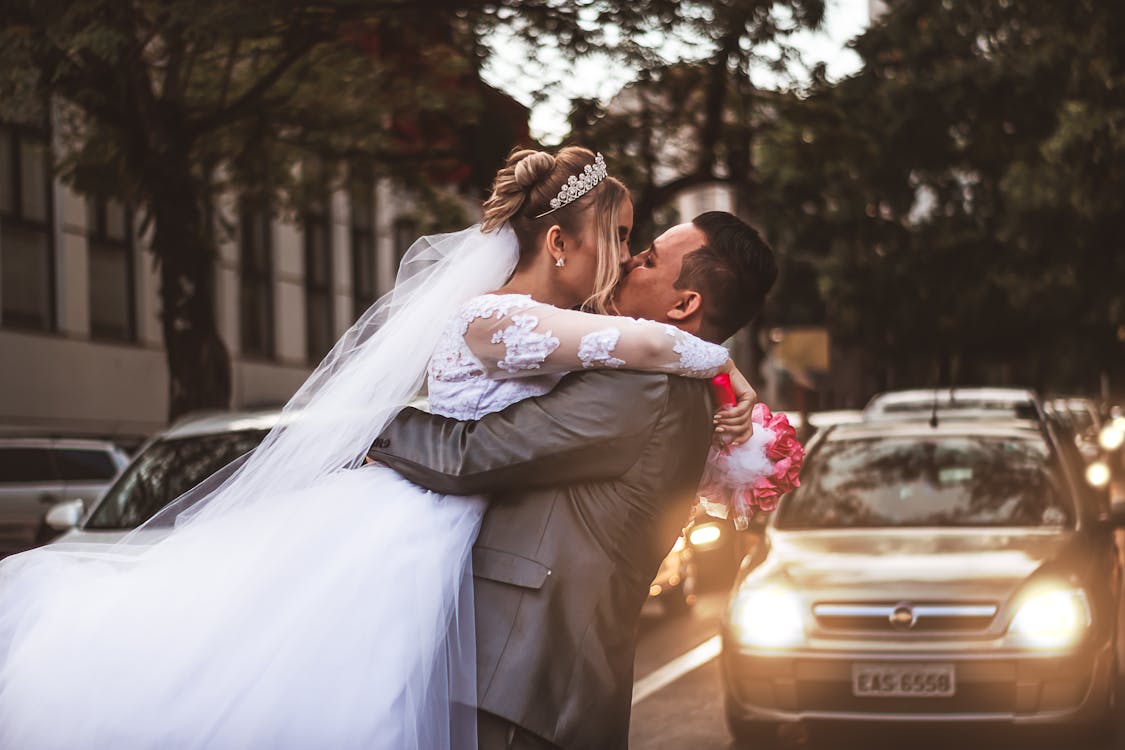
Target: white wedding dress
(334,616)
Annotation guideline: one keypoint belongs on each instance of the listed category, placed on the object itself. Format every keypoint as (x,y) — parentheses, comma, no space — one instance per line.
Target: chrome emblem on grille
(902,617)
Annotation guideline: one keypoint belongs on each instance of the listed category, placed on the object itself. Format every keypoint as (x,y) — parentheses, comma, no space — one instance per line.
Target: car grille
(921,617)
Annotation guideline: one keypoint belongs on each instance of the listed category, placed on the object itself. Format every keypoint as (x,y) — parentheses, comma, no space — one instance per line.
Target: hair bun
(532,167)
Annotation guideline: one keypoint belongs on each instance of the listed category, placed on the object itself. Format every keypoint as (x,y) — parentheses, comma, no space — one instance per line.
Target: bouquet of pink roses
(753,476)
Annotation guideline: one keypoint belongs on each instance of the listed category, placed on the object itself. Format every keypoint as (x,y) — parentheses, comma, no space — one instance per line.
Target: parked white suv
(37,473)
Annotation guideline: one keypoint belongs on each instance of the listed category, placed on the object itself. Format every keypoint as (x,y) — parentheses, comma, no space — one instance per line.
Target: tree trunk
(199,374)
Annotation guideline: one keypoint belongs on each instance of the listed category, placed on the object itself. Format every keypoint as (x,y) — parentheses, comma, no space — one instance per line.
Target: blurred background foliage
(953,210)
(960,197)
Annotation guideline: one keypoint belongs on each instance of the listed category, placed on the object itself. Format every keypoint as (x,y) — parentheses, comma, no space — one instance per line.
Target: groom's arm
(593,425)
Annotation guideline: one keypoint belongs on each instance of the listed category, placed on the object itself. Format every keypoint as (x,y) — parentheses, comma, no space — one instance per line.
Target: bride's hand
(732,423)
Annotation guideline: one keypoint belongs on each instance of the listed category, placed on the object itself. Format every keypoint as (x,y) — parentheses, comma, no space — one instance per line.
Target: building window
(27,268)
(255,279)
(318,279)
(406,232)
(364,282)
(112,291)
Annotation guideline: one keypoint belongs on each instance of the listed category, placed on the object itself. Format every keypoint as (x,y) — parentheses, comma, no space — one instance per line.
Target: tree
(961,193)
(693,122)
(165,104)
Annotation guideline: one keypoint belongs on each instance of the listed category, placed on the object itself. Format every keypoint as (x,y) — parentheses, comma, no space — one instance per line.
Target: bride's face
(582,251)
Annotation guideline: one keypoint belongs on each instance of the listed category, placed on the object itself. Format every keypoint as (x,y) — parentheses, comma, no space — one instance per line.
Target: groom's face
(648,289)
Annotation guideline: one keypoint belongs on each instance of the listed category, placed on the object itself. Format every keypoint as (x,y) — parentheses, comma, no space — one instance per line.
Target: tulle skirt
(338,616)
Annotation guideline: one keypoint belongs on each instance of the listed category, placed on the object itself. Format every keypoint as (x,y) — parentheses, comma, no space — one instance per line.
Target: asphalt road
(683,706)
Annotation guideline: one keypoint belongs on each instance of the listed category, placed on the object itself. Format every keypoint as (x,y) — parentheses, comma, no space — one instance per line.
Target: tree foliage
(165,104)
(688,123)
(961,196)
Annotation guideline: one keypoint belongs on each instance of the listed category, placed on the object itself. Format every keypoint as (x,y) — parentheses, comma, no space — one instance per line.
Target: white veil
(371,373)
(64,627)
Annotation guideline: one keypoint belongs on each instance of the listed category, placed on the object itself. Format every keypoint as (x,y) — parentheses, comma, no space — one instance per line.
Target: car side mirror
(66,515)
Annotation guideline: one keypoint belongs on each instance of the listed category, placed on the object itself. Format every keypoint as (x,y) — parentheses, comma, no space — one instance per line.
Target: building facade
(80,333)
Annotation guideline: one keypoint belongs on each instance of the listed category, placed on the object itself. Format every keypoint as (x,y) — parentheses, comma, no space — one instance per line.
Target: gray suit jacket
(590,484)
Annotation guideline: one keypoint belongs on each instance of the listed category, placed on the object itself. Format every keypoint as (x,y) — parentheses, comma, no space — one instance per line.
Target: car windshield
(164,471)
(927,481)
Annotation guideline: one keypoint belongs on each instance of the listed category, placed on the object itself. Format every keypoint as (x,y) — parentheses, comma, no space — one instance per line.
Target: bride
(305,599)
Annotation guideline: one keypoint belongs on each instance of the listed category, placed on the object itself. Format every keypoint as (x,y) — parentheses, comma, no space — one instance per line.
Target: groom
(590,485)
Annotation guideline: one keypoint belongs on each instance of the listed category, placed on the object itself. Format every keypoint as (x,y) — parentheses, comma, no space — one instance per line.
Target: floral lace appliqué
(596,348)
(458,386)
(524,347)
(452,360)
(698,358)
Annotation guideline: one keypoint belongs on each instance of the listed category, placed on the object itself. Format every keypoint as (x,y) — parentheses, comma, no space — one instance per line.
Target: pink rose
(761,414)
(768,503)
(779,423)
(766,494)
(783,445)
(763,484)
(767,500)
(789,475)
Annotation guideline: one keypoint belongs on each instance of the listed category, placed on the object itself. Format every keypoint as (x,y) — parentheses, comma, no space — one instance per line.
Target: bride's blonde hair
(523,189)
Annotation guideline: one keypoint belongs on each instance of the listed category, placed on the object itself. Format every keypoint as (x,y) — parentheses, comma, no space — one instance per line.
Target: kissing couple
(375,576)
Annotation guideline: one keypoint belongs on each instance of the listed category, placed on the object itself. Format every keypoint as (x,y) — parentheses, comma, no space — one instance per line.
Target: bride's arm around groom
(592,426)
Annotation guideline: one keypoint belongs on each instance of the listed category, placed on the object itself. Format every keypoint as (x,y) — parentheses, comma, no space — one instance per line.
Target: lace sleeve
(538,339)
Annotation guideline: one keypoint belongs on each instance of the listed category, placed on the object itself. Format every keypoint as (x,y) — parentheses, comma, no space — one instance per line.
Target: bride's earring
(560,262)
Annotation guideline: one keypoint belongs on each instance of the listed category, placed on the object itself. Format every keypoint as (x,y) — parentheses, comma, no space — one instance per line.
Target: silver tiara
(578,185)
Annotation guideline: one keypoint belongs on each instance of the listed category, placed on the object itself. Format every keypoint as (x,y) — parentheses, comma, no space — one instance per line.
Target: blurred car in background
(718,548)
(952,574)
(1111,439)
(676,583)
(164,468)
(1015,403)
(36,473)
(821,420)
(1082,417)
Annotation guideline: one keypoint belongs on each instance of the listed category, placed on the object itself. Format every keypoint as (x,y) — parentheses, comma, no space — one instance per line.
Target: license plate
(903,680)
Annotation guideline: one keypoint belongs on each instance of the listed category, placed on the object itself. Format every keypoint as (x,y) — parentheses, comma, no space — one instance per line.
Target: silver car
(165,467)
(955,573)
(37,473)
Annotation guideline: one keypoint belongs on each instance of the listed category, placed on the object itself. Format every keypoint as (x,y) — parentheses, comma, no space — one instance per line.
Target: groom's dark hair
(733,271)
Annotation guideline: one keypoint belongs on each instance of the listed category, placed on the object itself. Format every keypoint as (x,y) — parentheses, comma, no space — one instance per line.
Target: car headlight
(1112,436)
(1097,474)
(705,535)
(1052,618)
(769,617)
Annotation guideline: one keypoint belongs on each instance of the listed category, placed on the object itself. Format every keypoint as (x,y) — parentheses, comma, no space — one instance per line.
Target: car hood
(903,564)
(109,536)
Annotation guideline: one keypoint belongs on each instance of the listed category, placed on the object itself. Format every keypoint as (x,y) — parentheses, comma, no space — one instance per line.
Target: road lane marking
(676,669)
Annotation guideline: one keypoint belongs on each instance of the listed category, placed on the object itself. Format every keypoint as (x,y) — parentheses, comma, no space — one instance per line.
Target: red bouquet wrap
(751,477)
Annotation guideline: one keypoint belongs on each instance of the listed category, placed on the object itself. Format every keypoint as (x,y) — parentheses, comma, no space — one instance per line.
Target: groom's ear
(689,304)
